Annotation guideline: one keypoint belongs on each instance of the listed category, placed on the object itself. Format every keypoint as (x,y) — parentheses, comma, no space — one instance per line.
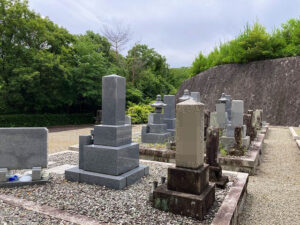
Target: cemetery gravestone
(109,158)
(169,113)
(188,191)
(212,149)
(156,129)
(23,148)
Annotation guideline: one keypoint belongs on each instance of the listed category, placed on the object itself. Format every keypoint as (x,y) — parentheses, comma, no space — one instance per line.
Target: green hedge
(45,120)
(139,113)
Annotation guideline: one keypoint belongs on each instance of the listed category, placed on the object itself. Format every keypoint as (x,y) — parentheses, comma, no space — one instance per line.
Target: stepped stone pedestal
(156,129)
(187,191)
(109,158)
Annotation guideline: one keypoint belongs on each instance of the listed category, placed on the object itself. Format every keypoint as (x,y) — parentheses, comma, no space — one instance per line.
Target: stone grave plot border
(248,163)
(295,136)
(23,148)
(232,206)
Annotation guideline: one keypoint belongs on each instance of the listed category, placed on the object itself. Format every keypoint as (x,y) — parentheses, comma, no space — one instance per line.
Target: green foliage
(45,120)
(254,43)
(139,113)
(177,75)
(223,150)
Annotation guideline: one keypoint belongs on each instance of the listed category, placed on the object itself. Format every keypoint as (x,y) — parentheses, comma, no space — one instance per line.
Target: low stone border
(294,134)
(153,154)
(247,164)
(298,143)
(228,213)
(47,210)
(161,155)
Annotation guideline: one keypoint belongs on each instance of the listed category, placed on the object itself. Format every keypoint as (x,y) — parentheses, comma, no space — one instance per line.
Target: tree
(118,36)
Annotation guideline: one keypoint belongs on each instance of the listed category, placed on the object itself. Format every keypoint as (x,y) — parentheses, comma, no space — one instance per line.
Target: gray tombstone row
(109,158)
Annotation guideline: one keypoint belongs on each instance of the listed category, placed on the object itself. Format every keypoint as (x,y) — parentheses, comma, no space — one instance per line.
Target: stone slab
(60,169)
(171,123)
(157,128)
(294,134)
(196,96)
(114,182)
(196,206)
(19,183)
(36,173)
(169,111)
(83,140)
(155,118)
(111,160)
(188,180)
(112,135)
(23,148)
(3,172)
(113,100)
(221,115)
(213,120)
(190,134)
(298,143)
(154,138)
(233,203)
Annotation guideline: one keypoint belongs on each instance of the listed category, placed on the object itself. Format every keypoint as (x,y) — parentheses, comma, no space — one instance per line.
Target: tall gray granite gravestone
(109,158)
(23,148)
(169,113)
(156,129)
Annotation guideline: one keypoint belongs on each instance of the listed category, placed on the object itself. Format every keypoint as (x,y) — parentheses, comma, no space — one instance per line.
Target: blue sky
(177,29)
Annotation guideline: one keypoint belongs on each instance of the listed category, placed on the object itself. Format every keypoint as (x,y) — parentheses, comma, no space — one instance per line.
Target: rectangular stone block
(190,134)
(114,182)
(169,111)
(196,206)
(228,106)
(109,135)
(154,137)
(221,115)
(3,172)
(196,96)
(113,100)
(188,180)
(111,160)
(83,140)
(237,112)
(155,118)
(23,148)
(36,173)
(157,128)
(128,119)
(213,119)
(171,123)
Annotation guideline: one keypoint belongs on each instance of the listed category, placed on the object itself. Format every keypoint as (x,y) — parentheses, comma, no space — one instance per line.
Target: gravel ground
(17,215)
(274,193)
(129,206)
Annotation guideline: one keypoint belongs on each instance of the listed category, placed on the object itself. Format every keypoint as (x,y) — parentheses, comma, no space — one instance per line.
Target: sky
(177,29)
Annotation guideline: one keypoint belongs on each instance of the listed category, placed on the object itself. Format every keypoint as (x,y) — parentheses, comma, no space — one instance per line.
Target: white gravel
(128,206)
(274,193)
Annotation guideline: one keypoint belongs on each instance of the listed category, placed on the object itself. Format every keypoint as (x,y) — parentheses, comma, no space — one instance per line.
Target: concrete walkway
(274,193)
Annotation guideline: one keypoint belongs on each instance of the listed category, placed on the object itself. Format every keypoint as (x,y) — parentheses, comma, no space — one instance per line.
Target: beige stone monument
(190,138)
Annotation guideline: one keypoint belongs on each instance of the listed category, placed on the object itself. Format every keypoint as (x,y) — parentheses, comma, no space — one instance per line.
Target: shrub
(45,120)
(139,113)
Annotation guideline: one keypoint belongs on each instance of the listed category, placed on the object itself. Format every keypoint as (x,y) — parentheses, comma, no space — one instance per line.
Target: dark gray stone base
(19,183)
(172,131)
(155,138)
(114,182)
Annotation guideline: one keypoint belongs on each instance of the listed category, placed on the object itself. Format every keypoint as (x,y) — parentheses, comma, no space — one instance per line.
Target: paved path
(274,193)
